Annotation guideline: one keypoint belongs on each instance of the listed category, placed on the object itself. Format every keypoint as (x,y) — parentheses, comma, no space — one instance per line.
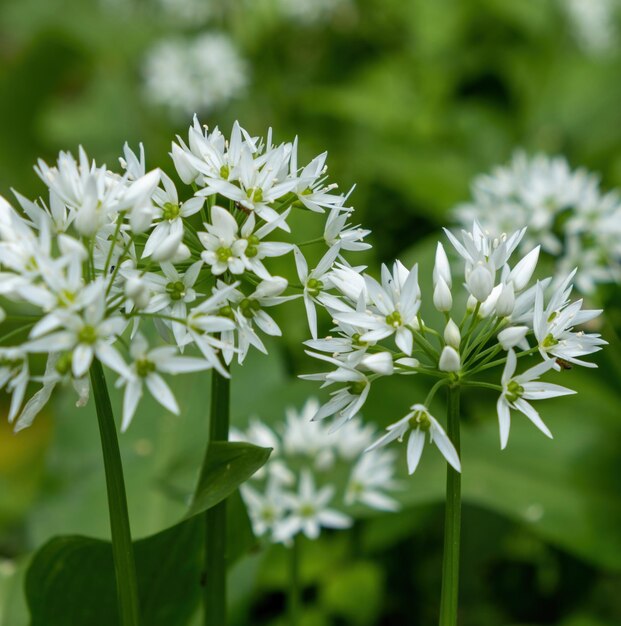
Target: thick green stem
(452,521)
(294,582)
(214,596)
(122,548)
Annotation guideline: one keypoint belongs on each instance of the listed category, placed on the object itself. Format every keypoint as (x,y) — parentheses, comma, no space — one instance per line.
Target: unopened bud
(506,300)
(442,297)
(380,363)
(480,282)
(137,291)
(449,360)
(511,337)
(452,336)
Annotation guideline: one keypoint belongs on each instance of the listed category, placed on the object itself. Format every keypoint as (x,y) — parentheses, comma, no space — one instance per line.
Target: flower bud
(380,363)
(442,269)
(506,300)
(137,291)
(452,336)
(271,287)
(442,298)
(471,304)
(141,217)
(511,337)
(181,254)
(487,307)
(449,360)
(187,173)
(480,282)
(523,271)
(168,248)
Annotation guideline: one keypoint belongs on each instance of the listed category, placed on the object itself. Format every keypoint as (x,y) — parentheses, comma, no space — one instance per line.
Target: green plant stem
(452,521)
(122,548)
(214,595)
(294,582)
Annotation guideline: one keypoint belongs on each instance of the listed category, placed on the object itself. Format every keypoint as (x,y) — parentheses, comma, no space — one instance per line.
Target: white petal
(416,443)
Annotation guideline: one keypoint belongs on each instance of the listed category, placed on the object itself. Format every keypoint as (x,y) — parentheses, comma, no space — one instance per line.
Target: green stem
(452,521)
(122,548)
(294,582)
(214,595)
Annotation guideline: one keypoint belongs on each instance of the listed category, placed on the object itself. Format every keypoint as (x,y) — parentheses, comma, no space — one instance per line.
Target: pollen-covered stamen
(171,211)
(224,254)
(252,249)
(249,307)
(420,420)
(176,290)
(394,319)
(226,311)
(87,334)
(144,367)
(549,341)
(314,286)
(255,194)
(514,391)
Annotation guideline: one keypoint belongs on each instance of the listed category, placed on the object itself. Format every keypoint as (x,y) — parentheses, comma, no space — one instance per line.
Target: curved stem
(214,575)
(452,521)
(122,547)
(294,582)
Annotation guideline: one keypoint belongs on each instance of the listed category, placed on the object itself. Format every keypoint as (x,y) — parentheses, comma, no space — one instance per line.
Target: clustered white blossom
(566,211)
(311,11)
(110,257)
(594,23)
(189,74)
(379,331)
(314,476)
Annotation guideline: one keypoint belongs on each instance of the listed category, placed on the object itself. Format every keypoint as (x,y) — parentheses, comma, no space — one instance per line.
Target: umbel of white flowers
(379,331)
(110,254)
(313,476)
(567,213)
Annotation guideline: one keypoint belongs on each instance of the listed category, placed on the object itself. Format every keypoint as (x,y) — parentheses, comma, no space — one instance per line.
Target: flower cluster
(380,331)
(111,256)
(314,476)
(566,212)
(200,74)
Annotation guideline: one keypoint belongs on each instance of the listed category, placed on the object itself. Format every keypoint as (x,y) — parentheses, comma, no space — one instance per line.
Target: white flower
(337,230)
(14,375)
(223,248)
(516,390)
(309,511)
(170,213)
(145,370)
(452,336)
(314,282)
(267,510)
(188,75)
(419,421)
(86,335)
(553,326)
(395,307)
(372,475)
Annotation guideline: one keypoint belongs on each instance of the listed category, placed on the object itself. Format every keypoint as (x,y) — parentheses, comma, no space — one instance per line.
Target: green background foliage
(411,100)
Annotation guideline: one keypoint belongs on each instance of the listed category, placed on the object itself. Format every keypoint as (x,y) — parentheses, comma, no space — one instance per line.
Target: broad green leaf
(71,579)
(228,466)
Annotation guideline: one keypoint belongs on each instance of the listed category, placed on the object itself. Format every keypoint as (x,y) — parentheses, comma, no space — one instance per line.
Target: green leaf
(228,466)
(71,579)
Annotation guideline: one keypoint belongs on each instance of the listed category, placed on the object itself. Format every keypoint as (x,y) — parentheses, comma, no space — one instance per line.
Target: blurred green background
(411,100)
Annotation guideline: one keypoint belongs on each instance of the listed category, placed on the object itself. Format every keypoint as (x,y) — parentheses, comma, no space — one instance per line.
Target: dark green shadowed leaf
(71,579)
(229,465)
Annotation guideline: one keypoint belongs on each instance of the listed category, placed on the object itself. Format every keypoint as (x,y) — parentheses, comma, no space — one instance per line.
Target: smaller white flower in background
(516,390)
(371,476)
(188,75)
(418,423)
(309,511)
(145,370)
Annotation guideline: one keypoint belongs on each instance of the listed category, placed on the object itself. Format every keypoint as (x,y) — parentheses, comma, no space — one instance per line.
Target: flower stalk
(122,547)
(294,582)
(215,563)
(452,521)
